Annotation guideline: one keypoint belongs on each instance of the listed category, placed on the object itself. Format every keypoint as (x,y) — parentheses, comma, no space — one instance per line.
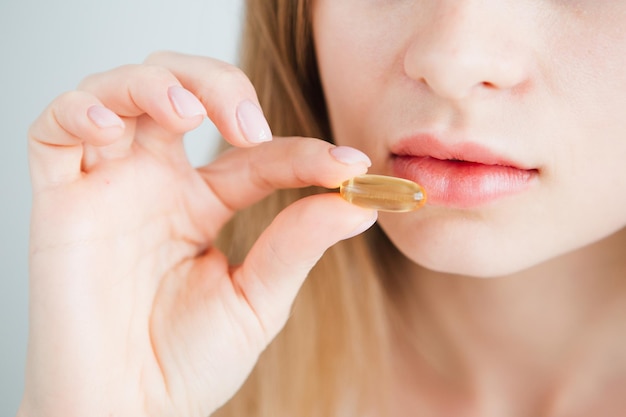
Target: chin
(490,267)
(468,251)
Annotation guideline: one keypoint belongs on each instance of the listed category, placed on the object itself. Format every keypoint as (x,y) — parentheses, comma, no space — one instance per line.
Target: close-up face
(511,115)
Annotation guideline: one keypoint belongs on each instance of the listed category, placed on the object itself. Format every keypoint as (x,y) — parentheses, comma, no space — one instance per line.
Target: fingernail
(103,117)
(363,226)
(185,103)
(252,123)
(350,156)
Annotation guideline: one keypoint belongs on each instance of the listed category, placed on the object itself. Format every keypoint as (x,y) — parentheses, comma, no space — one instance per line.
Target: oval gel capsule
(380,192)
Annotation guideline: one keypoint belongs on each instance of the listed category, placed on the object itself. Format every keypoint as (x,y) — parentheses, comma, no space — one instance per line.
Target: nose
(463,48)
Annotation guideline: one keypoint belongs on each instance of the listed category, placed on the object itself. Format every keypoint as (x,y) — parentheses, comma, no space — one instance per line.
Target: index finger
(241,177)
(225,91)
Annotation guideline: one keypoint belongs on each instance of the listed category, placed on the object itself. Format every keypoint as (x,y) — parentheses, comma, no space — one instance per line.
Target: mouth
(463,175)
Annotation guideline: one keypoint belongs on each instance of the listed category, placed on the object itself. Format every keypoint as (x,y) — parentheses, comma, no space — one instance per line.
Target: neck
(552,327)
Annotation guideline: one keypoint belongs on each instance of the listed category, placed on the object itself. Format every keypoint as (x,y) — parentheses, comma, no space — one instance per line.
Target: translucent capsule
(384,193)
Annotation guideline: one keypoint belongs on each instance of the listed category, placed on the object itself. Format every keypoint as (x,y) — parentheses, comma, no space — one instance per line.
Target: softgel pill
(380,192)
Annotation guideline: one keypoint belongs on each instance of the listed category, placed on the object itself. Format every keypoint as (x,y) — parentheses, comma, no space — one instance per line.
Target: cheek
(588,168)
(577,117)
(356,60)
(349,89)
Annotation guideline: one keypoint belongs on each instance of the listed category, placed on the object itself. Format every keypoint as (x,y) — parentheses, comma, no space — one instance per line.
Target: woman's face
(511,114)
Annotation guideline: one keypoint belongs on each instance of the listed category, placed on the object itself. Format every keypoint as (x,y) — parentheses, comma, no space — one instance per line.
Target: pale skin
(542,82)
(133,312)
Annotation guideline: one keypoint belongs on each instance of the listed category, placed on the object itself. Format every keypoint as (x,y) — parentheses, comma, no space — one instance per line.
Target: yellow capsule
(383,193)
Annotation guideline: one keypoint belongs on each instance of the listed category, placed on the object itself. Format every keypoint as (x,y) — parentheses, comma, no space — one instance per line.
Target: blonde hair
(332,356)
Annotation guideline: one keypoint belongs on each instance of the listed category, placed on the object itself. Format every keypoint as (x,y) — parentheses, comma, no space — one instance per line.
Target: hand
(132,310)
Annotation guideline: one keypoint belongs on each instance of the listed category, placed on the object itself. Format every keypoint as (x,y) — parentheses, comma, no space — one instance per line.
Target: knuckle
(91,80)
(62,106)
(34,131)
(225,84)
(67,98)
(156,74)
(231,76)
(159,57)
(43,126)
(223,76)
(127,75)
(70,105)
(64,111)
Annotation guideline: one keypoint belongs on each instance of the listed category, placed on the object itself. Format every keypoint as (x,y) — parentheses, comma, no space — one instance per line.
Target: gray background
(46,48)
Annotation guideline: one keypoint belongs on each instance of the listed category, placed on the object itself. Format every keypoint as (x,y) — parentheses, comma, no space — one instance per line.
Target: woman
(508,113)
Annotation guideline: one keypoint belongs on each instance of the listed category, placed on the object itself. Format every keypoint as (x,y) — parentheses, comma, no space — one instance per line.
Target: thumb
(282,257)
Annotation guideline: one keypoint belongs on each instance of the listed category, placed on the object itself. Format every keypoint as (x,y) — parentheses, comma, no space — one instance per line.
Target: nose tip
(460,52)
(460,74)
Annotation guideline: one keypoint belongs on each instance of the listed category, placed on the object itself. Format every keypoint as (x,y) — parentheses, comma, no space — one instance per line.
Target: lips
(463,175)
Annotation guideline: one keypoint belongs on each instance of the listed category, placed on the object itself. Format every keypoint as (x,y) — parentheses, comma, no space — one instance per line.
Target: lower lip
(462,184)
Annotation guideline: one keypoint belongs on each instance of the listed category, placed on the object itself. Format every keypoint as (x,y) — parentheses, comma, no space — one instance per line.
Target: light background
(46,48)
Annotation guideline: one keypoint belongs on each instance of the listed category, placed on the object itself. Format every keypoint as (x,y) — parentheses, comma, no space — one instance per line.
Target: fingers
(81,128)
(57,136)
(242,177)
(134,90)
(163,109)
(155,107)
(277,265)
(226,93)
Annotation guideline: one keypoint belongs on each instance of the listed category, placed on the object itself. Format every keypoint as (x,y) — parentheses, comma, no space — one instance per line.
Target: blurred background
(46,48)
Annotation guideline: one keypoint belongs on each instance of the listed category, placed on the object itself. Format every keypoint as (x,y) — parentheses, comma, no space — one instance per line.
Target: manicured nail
(350,156)
(103,117)
(185,103)
(252,123)
(363,226)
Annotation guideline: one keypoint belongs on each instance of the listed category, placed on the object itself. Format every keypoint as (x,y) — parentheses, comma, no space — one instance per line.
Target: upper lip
(427,145)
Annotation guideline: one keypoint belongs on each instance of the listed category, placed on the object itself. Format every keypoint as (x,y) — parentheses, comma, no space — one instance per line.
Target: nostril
(456,66)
